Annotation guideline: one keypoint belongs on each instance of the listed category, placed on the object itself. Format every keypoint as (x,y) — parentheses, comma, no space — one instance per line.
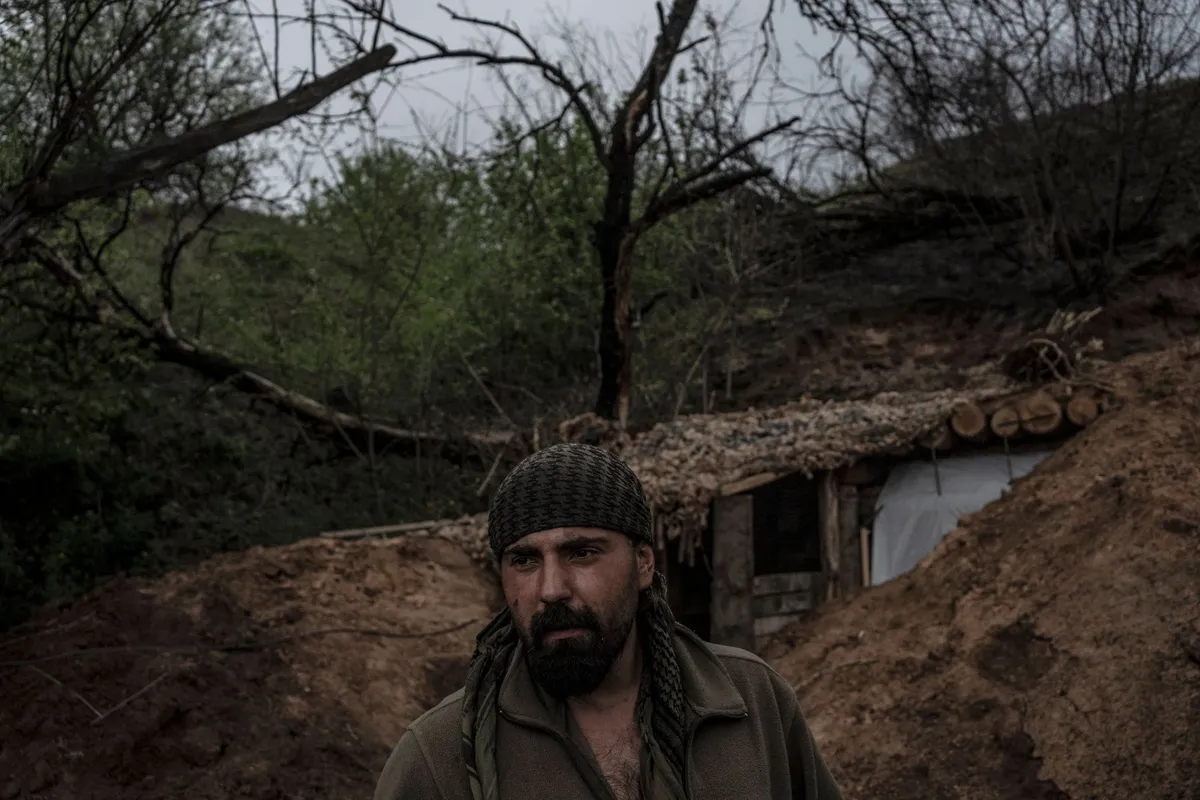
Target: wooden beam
(851,563)
(773,605)
(748,484)
(827,516)
(784,582)
(733,571)
(392,530)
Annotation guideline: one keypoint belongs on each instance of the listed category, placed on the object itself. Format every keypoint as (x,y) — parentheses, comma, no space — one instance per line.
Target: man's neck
(619,691)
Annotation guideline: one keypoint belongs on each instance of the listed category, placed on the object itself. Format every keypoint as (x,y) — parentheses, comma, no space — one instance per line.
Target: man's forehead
(556,537)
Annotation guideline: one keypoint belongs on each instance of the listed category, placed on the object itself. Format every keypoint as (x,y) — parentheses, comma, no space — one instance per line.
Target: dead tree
(650,174)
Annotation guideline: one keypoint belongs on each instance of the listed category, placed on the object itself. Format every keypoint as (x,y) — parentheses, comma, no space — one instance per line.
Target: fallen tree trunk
(481,446)
(466,446)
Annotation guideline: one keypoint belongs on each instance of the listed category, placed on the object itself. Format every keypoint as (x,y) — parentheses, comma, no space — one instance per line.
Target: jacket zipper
(581,761)
(691,737)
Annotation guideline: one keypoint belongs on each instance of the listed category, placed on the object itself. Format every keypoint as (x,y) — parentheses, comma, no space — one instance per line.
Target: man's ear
(644,554)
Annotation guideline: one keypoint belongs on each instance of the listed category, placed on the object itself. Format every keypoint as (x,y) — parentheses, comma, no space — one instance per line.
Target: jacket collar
(706,686)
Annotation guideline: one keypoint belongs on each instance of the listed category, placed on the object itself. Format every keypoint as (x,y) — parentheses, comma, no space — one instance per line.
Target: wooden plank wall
(779,599)
(748,609)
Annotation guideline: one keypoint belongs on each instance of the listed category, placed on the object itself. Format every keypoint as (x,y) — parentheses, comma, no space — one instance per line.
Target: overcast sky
(433,96)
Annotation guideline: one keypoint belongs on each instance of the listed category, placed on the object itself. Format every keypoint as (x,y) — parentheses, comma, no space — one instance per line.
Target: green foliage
(428,286)
(62,389)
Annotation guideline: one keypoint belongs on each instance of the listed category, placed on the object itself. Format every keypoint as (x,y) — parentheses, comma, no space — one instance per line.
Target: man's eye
(585,552)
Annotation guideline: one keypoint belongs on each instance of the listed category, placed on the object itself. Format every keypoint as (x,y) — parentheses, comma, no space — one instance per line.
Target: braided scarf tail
(493,650)
(660,711)
(664,690)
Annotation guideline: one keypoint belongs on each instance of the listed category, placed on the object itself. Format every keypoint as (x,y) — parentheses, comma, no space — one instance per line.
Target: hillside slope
(1049,648)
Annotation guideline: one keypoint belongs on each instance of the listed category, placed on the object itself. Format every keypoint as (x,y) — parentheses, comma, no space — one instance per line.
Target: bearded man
(584,686)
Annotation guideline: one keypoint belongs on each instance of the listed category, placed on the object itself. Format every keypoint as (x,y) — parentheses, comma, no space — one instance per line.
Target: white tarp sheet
(911,517)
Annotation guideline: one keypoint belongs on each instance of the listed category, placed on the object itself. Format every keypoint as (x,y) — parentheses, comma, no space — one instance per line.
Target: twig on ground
(101,717)
(62,685)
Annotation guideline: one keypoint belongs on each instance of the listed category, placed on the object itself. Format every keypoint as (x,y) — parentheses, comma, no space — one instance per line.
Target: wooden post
(851,562)
(864,539)
(733,571)
(831,545)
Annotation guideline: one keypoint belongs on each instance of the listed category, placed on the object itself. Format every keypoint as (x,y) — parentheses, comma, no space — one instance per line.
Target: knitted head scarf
(573,485)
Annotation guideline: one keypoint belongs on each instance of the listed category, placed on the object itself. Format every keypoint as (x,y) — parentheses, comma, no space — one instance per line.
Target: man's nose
(554,587)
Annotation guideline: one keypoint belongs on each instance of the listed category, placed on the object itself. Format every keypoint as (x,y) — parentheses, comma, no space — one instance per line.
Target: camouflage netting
(684,463)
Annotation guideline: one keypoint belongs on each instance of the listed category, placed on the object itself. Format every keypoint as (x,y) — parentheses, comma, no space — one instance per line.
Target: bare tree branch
(220,368)
(131,168)
(553,73)
(704,184)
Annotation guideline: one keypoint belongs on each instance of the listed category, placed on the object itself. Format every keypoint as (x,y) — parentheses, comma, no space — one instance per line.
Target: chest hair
(618,752)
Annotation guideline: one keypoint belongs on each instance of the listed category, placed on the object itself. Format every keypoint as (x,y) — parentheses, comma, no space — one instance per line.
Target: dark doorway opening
(690,586)
(787,526)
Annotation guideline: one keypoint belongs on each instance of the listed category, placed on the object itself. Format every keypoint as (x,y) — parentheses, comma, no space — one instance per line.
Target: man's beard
(576,665)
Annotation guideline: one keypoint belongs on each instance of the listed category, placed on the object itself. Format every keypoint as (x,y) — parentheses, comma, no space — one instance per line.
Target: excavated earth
(1050,648)
(282,673)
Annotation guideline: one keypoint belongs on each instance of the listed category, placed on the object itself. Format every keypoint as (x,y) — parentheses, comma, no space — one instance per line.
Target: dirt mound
(282,673)
(1050,647)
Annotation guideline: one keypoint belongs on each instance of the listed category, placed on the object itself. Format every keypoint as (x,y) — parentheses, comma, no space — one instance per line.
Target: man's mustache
(561,617)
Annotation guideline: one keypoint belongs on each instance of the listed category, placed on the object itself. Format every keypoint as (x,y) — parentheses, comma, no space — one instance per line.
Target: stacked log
(1037,413)
(1027,415)
(970,422)
(1006,421)
(1083,408)
(1040,414)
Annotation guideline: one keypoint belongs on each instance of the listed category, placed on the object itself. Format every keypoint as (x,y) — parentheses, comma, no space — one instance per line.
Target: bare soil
(925,344)
(282,673)
(1049,649)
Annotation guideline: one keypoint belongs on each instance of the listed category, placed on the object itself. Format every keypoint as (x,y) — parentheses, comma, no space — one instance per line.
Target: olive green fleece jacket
(747,739)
